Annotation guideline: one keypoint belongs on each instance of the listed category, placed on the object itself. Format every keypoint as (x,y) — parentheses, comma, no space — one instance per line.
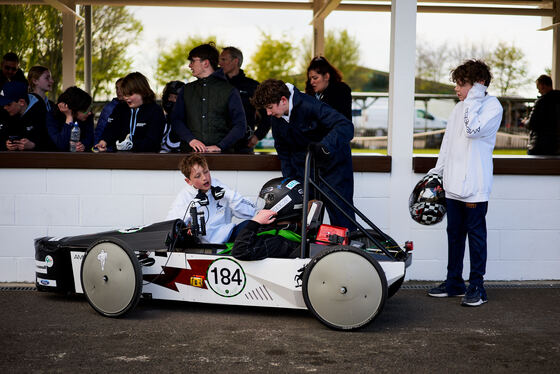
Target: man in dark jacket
(301,122)
(231,59)
(10,71)
(24,127)
(544,123)
(209,115)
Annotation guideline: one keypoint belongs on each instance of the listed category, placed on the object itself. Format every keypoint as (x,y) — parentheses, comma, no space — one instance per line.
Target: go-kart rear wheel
(344,288)
(360,237)
(111,277)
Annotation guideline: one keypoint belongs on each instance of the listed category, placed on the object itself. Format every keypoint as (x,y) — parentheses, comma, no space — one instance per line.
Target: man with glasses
(10,69)
(209,115)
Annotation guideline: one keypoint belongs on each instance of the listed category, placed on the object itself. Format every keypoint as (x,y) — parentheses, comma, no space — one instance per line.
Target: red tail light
(409,245)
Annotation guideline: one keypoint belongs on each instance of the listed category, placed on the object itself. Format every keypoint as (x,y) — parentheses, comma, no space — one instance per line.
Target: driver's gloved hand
(321,154)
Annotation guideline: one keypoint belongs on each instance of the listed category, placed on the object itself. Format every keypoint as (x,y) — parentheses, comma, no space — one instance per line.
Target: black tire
(112,286)
(395,287)
(344,288)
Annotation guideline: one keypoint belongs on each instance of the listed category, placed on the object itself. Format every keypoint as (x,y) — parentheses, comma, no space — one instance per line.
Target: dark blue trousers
(465,220)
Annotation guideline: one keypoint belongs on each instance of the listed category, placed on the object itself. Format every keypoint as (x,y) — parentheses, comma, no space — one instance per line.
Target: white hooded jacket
(465,157)
(217,214)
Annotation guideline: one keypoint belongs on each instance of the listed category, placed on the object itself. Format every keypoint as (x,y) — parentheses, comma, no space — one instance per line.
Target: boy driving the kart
(272,232)
(217,201)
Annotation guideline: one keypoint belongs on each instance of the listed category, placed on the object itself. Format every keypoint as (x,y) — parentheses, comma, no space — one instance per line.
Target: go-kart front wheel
(345,288)
(111,277)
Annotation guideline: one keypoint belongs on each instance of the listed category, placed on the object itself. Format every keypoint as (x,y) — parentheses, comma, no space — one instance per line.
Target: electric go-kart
(343,279)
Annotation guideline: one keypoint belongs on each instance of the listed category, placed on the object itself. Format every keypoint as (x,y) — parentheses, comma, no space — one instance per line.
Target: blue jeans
(465,219)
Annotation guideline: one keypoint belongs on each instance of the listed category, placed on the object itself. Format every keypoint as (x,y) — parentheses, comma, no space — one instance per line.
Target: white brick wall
(523,217)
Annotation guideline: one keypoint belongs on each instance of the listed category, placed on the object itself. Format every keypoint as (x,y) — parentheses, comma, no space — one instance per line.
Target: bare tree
(430,60)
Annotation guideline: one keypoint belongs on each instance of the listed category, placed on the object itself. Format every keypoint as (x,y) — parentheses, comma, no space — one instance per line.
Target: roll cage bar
(313,182)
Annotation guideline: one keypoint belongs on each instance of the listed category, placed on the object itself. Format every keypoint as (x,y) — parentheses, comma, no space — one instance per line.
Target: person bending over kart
(220,202)
(273,231)
(300,123)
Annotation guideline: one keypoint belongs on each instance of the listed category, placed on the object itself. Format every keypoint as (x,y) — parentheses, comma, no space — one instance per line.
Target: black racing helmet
(284,196)
(172,87)
(427,200)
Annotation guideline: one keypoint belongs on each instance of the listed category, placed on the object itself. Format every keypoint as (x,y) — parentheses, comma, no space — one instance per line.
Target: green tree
(113,30)
(341,49)
(273,59)
(174,65)
(13,31)
(509,68)
(34,32)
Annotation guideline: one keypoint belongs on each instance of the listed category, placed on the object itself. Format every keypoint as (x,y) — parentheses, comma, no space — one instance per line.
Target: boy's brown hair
(472,71)
(206,51)
(545,80)
(136,83)
(268,92)
(190,161)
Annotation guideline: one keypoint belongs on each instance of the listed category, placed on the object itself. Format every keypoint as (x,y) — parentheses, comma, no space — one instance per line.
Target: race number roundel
(226,277)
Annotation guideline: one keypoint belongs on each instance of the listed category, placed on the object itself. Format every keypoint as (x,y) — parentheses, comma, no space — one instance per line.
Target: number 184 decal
(226,277)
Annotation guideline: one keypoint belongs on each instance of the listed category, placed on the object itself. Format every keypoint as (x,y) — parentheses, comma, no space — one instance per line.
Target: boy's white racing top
(217,214)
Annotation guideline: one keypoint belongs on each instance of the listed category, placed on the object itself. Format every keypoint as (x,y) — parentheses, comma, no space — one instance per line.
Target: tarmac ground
(517,331)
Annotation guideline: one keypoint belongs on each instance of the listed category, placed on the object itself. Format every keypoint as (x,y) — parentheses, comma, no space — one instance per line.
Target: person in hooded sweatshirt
(138,128)
(107,110)
(40,82)
(209,115)
(170,141)
(465,163)
(23,126)
(73,106)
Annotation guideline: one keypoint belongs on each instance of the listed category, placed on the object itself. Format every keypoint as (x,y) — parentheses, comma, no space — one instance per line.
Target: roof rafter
(495,7)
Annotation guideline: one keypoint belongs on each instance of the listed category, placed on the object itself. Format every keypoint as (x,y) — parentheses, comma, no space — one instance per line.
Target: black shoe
(441,291)
(476,296)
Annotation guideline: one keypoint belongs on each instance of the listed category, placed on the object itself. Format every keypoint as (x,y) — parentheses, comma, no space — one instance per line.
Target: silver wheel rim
(345,289)
(109,288)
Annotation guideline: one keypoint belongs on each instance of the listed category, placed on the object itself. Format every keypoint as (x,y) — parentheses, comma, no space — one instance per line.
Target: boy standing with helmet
(465,162)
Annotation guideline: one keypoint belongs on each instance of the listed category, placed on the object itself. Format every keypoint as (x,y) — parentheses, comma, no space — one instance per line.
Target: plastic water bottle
(74,136)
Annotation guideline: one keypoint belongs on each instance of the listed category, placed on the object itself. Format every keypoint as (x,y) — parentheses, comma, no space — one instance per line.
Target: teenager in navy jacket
(301,122)
(138,128)
(73,105)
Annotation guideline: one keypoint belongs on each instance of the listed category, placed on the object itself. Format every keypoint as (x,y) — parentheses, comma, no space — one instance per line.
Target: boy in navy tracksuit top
(23,122)
(73,105)
(138,128)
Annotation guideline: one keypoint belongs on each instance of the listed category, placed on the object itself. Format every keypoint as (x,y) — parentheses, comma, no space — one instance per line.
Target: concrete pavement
(518,331)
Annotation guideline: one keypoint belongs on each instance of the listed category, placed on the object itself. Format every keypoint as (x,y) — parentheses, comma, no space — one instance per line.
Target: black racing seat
(314,218)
